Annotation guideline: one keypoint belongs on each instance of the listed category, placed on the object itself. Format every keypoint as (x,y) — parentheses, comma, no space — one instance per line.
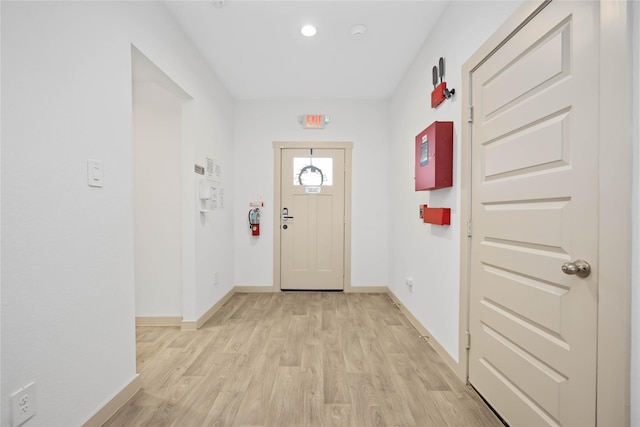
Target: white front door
(534,207)
(312,219)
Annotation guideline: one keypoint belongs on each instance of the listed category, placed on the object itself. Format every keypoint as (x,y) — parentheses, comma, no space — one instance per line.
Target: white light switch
(94,173)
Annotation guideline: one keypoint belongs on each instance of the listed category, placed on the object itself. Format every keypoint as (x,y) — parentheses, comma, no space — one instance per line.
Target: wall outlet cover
(23,405)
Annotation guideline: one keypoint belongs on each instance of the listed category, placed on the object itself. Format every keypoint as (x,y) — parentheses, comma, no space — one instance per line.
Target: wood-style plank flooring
(298,359)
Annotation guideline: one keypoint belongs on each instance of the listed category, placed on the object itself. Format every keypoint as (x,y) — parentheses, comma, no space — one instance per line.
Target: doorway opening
(157,128)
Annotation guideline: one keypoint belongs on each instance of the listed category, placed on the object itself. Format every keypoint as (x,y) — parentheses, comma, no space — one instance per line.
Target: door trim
(614,230)
(278,146)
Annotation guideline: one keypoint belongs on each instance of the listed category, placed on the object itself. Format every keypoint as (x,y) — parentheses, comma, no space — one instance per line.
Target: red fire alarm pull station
(437,216)
(434,157)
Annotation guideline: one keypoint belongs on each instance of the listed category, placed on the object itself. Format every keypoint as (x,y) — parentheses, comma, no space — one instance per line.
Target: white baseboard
(158,321)
(367,289)
(450,361)
(112,406)
(351,289)
(255,289)
(194,325)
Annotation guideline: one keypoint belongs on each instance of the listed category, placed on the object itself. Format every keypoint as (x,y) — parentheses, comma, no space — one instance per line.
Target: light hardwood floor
(298,359)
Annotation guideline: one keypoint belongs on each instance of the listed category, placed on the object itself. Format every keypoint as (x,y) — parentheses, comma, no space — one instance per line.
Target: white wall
(428,253)
(157,133)
(208,122)
(67,249)
(257,124)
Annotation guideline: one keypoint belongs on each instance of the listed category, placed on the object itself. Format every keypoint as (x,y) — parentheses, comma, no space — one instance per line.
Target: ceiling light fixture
(218,3)
(308,31)
(358,30)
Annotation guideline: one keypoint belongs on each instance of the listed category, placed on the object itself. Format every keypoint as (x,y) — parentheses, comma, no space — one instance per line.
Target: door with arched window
(312,218)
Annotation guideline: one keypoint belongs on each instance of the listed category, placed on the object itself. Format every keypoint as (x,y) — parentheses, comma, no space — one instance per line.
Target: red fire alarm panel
(434,157)
(438,216)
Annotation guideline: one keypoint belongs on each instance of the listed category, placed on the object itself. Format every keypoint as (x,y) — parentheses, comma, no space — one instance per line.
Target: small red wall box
(434,157)
(437,95)
(438,216)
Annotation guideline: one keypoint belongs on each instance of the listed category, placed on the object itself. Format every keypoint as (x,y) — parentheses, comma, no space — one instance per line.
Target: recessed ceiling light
(358,30)
(308,31)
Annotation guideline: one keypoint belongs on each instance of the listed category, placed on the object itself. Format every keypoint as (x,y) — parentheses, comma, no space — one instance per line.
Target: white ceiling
(256,49)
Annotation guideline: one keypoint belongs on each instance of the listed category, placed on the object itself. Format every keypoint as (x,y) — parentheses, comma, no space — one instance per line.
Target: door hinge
(470,117)
(469,228)
(468,345)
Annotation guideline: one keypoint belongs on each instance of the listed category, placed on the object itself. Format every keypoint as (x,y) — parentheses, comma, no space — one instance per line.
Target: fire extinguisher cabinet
(434,157)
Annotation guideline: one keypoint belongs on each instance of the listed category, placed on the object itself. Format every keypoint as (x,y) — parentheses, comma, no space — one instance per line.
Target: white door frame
(278,146)
(614,233)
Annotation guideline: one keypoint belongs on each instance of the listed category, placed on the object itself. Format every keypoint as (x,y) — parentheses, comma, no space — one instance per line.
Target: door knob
(580,268)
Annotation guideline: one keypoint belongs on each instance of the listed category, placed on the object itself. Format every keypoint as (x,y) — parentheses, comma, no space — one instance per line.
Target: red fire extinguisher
(254,221)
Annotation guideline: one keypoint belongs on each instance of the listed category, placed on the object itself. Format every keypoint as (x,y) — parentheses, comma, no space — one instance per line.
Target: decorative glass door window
(313,171)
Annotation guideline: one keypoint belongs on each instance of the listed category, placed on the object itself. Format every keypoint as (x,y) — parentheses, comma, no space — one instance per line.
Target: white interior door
(534,207)
(312,220)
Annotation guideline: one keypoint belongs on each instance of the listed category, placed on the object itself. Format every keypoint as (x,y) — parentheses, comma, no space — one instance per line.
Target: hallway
(298,359)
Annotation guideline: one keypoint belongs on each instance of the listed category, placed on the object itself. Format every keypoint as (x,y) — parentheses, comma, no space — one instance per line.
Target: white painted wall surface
(209,124)
(257,124)
(67,249)
(157,133)
(428,253)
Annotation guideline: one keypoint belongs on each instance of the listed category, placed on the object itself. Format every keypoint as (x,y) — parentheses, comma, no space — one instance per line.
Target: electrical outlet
(215,278)
(408,281)
(23,405)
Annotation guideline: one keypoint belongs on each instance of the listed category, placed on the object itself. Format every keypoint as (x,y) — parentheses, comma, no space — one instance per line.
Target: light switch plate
(94,173)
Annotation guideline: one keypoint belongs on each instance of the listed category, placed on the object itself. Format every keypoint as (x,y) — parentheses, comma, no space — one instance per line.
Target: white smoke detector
(358,30)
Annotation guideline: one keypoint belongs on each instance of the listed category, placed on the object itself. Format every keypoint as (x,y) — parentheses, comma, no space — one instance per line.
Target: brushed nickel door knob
(580,268)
